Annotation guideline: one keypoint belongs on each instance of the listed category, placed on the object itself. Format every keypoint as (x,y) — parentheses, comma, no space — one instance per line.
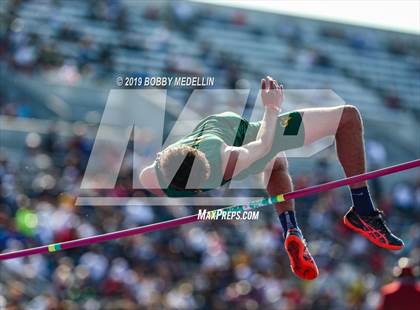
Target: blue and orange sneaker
(301,261)
(373,228)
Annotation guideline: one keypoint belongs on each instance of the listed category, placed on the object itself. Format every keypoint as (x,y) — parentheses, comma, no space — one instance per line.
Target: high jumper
(226,146)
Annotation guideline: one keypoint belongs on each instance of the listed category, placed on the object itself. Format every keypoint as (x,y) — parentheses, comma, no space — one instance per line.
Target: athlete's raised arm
(244,156)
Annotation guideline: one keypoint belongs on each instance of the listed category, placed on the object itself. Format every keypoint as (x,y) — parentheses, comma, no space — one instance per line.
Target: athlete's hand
(271,94)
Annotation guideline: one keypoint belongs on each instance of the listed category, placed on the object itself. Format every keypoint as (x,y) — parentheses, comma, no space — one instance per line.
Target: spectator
(403,293)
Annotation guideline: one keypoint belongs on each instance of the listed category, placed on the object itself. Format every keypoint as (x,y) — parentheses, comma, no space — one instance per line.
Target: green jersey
(233,130)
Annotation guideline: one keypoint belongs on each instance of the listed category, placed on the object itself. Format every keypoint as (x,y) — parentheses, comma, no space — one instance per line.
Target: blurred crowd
(208,265)
(70,55)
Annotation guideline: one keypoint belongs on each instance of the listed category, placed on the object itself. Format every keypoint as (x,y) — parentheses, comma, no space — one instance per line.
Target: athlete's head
(183,165)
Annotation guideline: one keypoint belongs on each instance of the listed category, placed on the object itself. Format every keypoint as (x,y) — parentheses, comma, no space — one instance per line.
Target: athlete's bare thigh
(320,122)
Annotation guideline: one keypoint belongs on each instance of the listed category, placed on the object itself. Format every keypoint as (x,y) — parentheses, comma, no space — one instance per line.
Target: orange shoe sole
(302,268)
(370,238)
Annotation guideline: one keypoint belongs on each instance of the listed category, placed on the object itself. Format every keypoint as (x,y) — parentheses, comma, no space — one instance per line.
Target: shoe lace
(378,221)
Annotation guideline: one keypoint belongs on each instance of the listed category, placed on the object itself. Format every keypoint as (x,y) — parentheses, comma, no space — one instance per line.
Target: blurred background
(59,60)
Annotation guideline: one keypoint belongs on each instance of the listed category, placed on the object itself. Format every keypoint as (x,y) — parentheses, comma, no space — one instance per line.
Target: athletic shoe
(373,228)
(302,263)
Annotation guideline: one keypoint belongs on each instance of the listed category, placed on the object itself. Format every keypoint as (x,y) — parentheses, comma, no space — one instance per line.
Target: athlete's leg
(345,123)
(278,180)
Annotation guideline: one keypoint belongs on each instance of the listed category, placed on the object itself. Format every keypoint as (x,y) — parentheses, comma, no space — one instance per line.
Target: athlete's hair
(177,162)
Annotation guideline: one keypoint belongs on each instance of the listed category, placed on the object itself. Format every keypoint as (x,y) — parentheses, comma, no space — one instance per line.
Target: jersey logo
(197,142)
(284,121)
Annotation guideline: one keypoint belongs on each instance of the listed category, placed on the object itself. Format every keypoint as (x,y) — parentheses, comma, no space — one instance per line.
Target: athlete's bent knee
(281,163)
(351,117)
